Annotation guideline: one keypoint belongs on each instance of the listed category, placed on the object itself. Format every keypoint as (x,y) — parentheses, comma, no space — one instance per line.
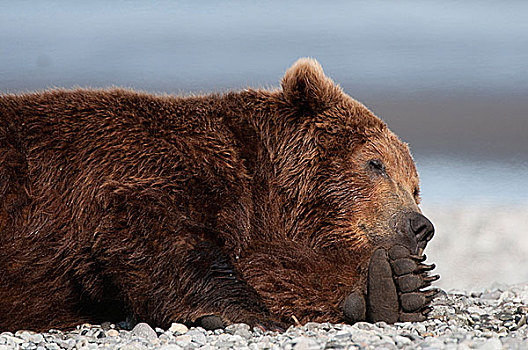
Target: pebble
(183,340)
(304,343)
(143,330)
(491,320)
(178,328)
(170,347)
(112,333)
(197,336)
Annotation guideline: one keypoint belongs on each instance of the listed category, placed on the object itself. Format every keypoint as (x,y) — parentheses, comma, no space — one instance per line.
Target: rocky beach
(490,319)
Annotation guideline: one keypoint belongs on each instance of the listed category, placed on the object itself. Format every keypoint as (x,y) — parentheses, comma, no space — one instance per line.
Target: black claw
(269,325)
(419,258)
(425,285)
(278,329)
(425,268)
(261,327)
(431,293)
(426,310)
(431,278)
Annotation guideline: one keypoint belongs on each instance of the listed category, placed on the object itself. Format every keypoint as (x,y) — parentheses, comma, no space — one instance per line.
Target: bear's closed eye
(376,166)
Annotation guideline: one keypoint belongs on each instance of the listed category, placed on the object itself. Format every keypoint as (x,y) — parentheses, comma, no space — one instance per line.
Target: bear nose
(421,228)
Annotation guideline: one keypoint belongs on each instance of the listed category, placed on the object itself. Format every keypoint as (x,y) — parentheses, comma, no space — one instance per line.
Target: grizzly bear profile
(256,206)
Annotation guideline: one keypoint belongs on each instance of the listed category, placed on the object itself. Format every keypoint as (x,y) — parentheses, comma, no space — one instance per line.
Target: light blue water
(446,180)
(413,46)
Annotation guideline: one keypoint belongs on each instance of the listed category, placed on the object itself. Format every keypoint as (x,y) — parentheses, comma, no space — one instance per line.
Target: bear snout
(410,229)
(420,228)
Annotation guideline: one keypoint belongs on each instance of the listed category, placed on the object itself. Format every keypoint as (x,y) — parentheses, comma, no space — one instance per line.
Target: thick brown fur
(255,205)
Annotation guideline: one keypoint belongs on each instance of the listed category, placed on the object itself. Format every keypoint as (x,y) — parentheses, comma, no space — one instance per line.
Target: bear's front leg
(219,295)
(164,278)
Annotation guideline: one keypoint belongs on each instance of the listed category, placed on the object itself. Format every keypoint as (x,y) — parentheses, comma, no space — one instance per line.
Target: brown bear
(261,207)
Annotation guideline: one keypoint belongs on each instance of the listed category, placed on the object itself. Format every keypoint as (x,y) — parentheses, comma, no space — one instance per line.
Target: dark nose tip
(421,227)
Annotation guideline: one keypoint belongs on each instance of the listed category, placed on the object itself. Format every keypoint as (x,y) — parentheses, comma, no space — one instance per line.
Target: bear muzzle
(421,229)
(410,229)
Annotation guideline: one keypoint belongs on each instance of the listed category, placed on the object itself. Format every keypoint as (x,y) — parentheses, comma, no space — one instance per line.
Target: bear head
(357,173)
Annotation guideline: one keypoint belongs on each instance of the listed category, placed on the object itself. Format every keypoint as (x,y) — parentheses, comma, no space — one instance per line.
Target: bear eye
(376,166)
(416,193)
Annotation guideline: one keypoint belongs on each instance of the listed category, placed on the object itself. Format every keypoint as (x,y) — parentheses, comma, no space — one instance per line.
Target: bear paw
(395,289)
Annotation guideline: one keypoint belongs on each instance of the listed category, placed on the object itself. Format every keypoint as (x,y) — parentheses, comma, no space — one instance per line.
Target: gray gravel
(491,319)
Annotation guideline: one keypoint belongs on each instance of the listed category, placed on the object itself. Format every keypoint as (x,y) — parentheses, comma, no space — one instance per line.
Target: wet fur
(251,205)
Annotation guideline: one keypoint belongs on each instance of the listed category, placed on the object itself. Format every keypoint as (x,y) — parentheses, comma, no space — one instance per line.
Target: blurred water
(413,46)
(449,180)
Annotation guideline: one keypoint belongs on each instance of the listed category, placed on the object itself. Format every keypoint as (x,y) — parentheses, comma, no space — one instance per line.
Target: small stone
(433,342)
(505,316)
(197,336)
(312,326)
(13,340)
(134,346)
(81,343)
(143,330)
(36,338)
(242,330)
(381,324)
(225,344)
(342,335)
(183,340)
(53,346)
(475,317)
(112,333)
(66,344)
(522,321)
(305,343)
(178,328)
(170,347)
(364,325)
(401,341)
(420,328)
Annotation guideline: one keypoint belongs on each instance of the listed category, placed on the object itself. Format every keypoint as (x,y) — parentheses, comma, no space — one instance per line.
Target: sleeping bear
(263,207)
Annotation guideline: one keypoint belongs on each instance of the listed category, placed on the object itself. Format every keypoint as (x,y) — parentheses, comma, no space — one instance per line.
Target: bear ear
(305,86)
